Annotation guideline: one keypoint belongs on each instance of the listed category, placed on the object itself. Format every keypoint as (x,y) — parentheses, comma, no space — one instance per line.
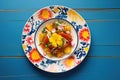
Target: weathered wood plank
(90,68)
(26,4)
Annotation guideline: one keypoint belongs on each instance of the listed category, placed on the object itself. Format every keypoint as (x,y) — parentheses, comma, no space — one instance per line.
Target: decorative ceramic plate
(34,23)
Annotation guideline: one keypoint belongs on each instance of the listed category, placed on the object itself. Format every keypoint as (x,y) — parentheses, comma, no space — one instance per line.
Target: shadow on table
(65,75)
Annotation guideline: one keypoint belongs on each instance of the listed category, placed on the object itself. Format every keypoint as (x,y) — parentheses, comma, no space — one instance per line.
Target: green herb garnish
(60,21)
(44,30)
(56,25)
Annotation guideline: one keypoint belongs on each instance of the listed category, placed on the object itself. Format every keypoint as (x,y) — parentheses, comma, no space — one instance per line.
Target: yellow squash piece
(41,36)
(68,50)
(49,54)
(67,28)
(47,51)
(60,54)
(49,27)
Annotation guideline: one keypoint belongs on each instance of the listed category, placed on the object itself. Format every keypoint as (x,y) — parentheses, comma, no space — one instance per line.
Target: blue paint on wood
(105,32)
(102,33)
(100,50)
(87,14)
(105,40)
(90,68)
(25,4)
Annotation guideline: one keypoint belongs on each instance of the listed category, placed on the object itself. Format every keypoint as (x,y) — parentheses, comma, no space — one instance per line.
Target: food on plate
(56,39)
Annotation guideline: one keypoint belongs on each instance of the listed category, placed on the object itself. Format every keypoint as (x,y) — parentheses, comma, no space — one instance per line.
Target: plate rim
(69,22)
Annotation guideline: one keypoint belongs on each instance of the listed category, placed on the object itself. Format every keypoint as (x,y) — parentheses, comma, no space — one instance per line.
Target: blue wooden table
(102,61)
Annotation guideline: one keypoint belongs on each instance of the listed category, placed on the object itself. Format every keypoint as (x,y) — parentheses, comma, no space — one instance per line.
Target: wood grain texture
(91,68)
(98,50)
(88,14)
(105,38)
(27,4)
(102,33)
(102,61)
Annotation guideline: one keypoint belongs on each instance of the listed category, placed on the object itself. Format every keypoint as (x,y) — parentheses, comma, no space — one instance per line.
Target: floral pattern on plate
(37,19)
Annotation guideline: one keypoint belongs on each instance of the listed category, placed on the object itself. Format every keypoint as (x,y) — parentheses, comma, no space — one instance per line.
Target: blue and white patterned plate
(46,13)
